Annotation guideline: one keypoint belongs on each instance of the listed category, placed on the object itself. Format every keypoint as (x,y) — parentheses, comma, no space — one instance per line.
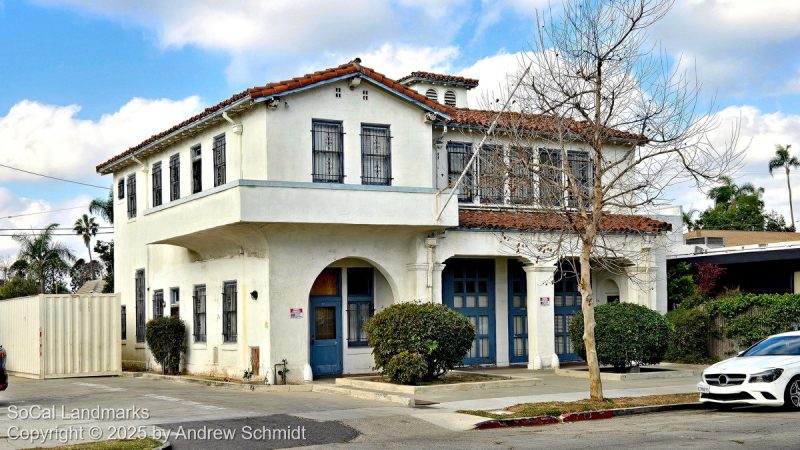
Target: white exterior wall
(58,336)
(273,231)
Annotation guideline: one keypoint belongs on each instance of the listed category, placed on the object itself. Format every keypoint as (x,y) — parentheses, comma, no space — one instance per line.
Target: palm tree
(729,192)
(103,208)
(42,254)
(86,228)
(784,159)
(688,219)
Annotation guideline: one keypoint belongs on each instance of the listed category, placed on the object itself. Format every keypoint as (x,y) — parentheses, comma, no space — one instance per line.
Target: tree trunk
(91,266)
(587,305)
(789,185)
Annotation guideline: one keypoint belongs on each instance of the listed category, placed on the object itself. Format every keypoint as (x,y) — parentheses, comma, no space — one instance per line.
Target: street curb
(582,416)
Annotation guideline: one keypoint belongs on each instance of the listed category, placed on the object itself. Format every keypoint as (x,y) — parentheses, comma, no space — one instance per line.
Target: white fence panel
(19,335)
(57,336)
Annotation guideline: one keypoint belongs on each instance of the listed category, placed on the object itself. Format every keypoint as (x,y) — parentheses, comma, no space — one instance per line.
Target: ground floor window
(229,311)
(158,303)
(124,324)
(360,304)
(174,303)
(199,300)
(140,302)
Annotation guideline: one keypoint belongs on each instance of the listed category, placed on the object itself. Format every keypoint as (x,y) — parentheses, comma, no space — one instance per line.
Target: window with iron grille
(492,174)
(174,177)
(229,300)
(365,95)
(121,188)
(551,188)
(360,304)
(580,171)
(376,155)
(521,179)
(124,322)
(327,151)
(338,92)
(197,170)
(458,155)
(199,300)
(140,309)
(219,160)
(131,196)
(158,303)
(450,98)
(156,184)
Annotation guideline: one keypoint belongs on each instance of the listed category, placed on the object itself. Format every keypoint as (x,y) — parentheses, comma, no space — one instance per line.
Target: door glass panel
(558,300)
(484,346)
(458,301)
(327,283)
(483,286)
(458,285)
(559,323)
(325,322)
(470,301)
(483,301)
(484,324)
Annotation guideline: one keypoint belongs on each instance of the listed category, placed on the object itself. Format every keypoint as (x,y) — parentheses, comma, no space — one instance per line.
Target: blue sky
(81,80)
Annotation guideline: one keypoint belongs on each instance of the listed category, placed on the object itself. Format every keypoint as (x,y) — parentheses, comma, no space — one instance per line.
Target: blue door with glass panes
(325,323)
(517,313)
(566,303)
(468,288)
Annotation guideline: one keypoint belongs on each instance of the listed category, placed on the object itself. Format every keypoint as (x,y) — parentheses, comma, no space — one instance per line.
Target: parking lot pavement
(30,410)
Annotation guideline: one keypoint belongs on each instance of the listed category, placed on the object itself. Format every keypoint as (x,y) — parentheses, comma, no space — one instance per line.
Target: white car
(768,374)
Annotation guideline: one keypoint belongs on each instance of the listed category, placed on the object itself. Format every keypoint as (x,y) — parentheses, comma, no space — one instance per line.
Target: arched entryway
(343,297)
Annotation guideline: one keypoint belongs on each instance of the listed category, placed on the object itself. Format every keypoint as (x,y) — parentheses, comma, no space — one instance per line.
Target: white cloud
(37,216)
(493,72)
(396,61)
(50,139)
(266,36)
(739,47)
(762,130)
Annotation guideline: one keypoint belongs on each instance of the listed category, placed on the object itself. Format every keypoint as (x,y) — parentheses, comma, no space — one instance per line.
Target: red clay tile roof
(549,221)
(532,122)
(285,86)
(410,78)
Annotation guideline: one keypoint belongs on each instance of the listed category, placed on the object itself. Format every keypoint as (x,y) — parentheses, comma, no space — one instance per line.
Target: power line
(57,234)
(42,212)
(55,178)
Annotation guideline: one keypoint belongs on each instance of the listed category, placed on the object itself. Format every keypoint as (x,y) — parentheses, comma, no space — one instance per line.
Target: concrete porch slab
(369,383)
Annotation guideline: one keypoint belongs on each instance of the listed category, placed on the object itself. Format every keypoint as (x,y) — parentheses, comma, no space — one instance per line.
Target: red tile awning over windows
(551,221)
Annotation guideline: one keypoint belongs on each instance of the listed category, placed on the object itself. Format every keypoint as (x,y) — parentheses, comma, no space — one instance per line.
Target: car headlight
(767,376)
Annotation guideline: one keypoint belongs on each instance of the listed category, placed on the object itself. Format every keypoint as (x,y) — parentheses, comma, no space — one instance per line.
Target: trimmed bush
(689,335)
(406,368)
(626,335)
(438,334)
(166,337)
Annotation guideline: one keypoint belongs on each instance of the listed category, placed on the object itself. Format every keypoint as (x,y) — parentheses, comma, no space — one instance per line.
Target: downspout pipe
(237,130)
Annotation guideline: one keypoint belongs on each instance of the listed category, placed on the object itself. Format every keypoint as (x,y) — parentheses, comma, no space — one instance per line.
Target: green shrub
(689,335)
(625,335)
(406,368)
(751,317)
(19,287)
(166,337)
(440,335)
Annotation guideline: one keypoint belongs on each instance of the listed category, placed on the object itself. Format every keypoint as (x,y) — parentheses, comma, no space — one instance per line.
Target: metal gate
(469,290)
(566,303)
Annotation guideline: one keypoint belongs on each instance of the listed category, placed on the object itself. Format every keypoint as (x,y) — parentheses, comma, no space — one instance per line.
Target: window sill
(199,346)
(229,346)
(140,345)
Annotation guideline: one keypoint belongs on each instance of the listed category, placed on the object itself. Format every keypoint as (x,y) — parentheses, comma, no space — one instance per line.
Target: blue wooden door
(566,303)
(469,290)
(517,313)
(326,335)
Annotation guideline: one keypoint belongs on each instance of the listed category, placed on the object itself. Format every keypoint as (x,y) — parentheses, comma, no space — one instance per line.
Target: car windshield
(775,346)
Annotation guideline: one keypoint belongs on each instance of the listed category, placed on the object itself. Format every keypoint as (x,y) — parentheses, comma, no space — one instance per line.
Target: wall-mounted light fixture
(254,295)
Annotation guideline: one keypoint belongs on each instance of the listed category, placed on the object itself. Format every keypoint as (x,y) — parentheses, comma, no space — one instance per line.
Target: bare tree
(619,124)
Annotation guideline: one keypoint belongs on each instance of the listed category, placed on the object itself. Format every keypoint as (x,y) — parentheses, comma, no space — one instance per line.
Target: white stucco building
(276,222)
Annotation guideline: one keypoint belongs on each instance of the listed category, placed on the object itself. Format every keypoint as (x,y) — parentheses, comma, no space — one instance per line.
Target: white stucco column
(417,273)
(437,282)
(541,329)
(641,287)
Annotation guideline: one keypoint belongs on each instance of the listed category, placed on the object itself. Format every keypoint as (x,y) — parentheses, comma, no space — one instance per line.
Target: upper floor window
(219,160)
(432,94)
(327,151)
(449,98)
(121,188)
(229,311)
(376,154)
(360,304)
(551,187)
(156,174)
(521,182)
(174,177)
(580,175)
(458,155)
(492,173)
(132,196)
(197,170)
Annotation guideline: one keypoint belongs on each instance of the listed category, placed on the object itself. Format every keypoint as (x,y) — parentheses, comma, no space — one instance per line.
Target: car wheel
(791,399)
